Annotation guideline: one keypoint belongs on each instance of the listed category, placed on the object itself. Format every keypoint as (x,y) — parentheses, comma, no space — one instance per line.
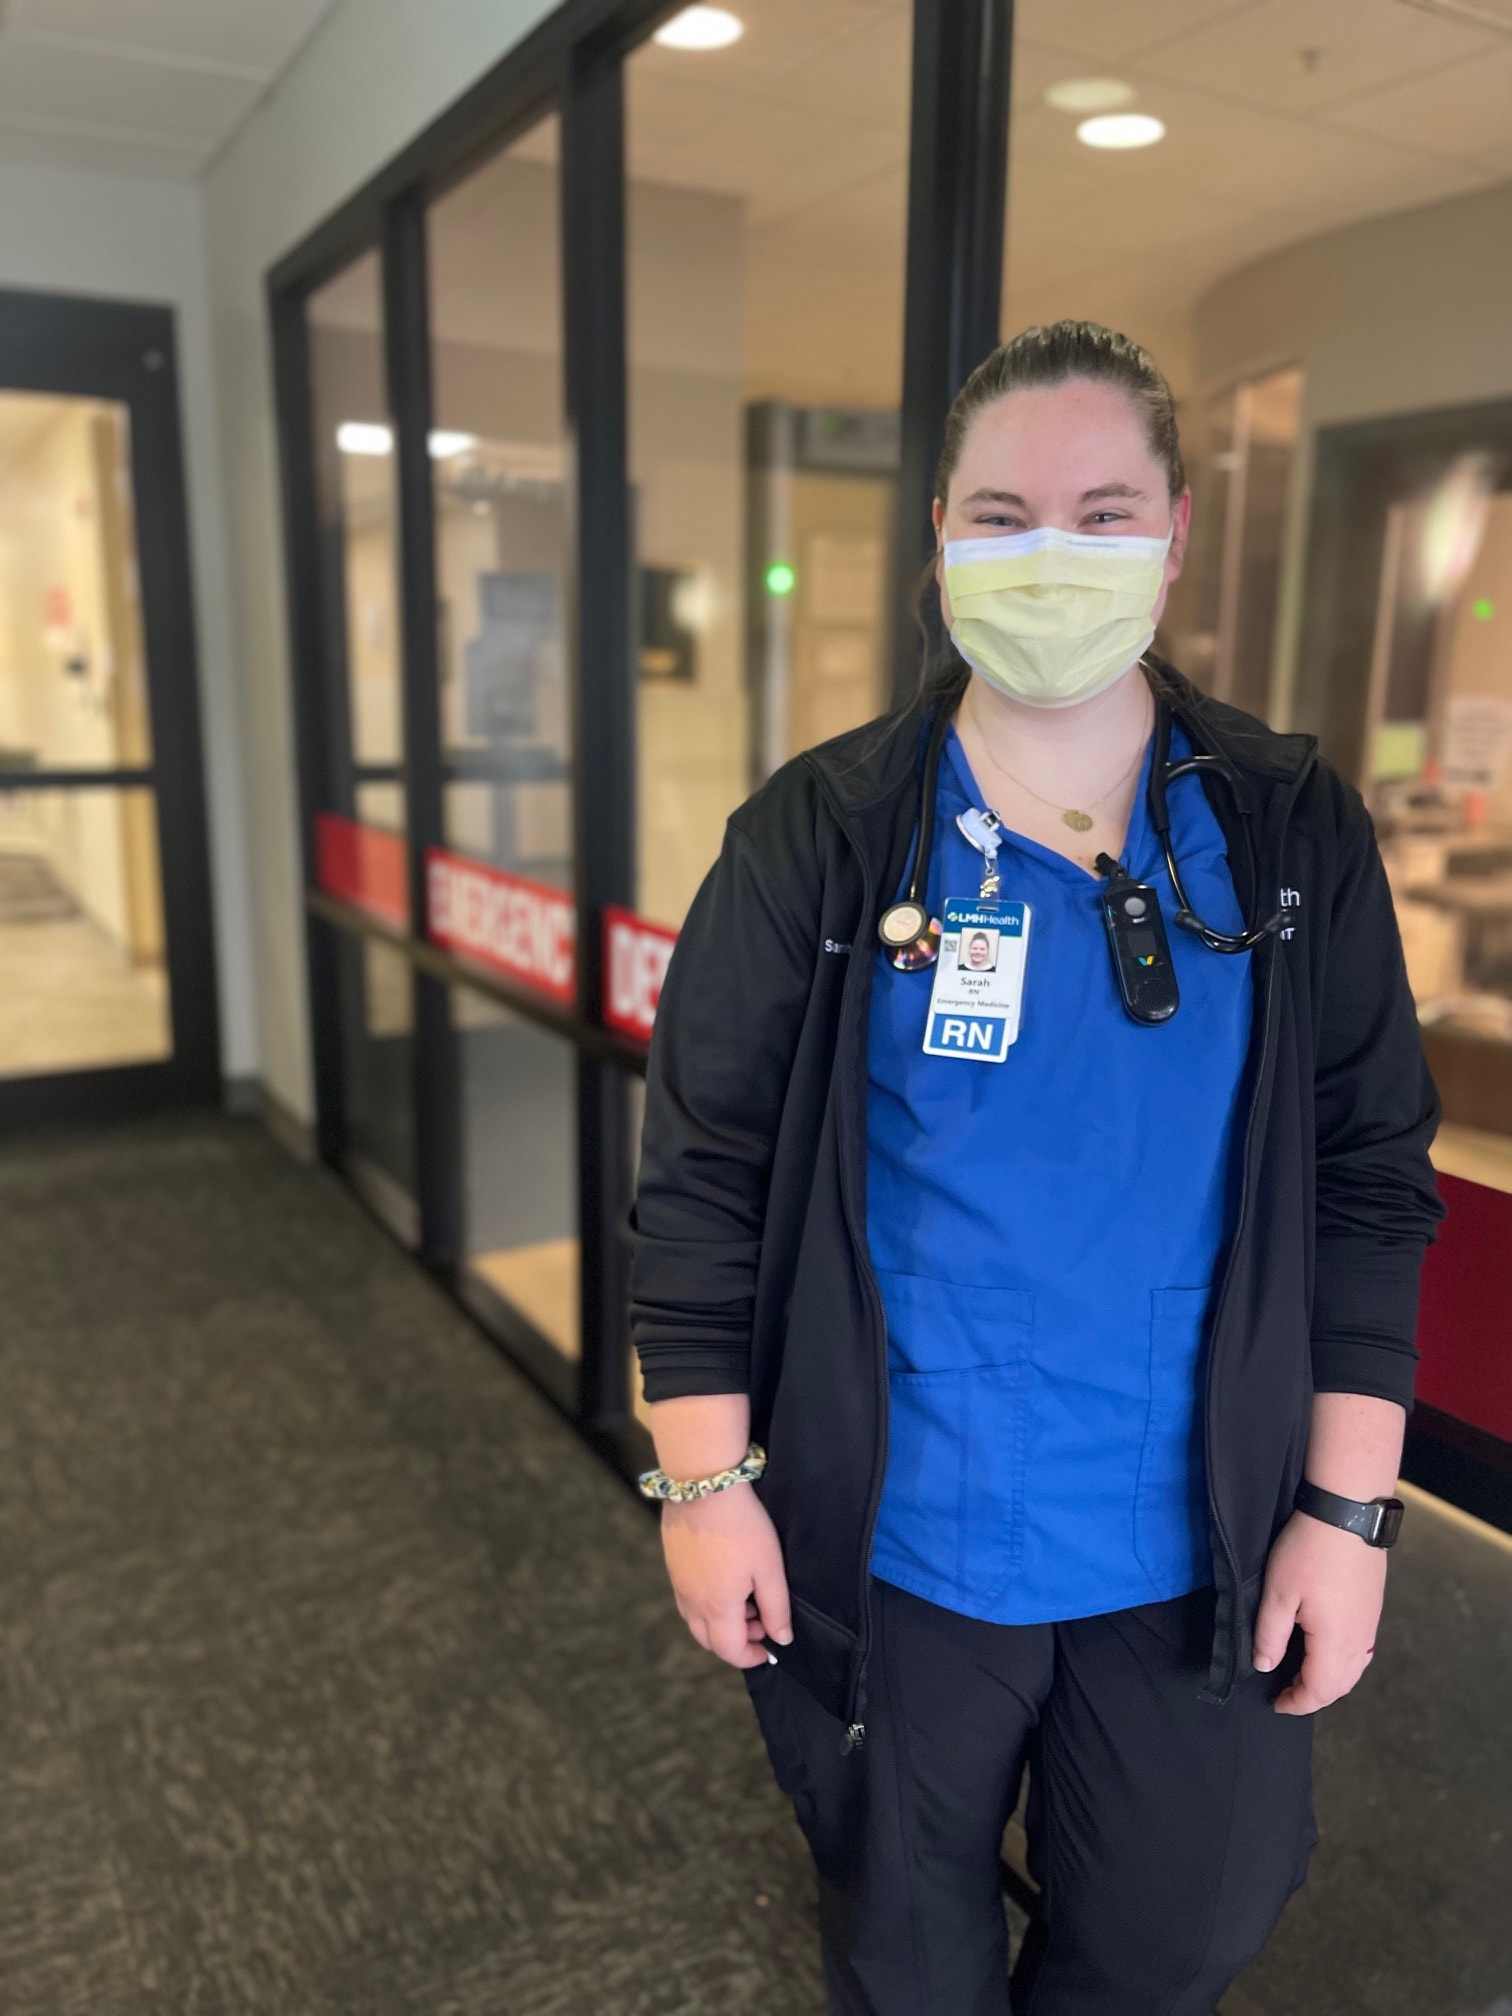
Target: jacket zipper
(1246,1193)
(855,1730)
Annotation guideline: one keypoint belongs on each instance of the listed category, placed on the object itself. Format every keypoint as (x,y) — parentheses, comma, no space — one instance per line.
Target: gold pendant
(1079,822)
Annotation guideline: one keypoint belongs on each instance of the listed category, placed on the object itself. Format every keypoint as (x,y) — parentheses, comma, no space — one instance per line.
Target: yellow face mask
(1053,617)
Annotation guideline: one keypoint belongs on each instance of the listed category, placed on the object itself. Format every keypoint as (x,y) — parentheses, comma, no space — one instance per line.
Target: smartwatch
(1377,1521)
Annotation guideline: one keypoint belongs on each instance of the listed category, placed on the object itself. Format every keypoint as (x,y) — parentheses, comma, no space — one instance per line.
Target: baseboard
(249,1099)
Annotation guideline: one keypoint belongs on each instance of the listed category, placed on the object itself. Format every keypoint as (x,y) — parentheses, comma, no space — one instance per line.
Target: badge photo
(977,997)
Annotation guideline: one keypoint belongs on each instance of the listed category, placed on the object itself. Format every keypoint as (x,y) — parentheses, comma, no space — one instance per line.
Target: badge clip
(980,830)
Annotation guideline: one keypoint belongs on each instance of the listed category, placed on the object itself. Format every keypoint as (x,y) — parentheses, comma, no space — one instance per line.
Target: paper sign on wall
(1477,741)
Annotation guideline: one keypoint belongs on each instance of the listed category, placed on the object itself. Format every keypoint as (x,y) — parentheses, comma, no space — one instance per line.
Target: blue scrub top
(1046,1233)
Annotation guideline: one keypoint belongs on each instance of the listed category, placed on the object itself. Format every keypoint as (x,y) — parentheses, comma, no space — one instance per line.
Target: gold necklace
(1074,816)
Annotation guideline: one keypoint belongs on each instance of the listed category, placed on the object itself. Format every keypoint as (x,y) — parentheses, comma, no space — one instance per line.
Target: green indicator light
(1483,609)
(781,578)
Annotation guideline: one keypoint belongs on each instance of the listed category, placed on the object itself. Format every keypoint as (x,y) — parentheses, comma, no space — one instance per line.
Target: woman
(988,1382)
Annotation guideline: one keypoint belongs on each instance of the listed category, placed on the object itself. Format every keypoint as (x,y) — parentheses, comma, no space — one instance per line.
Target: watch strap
(1376,1521)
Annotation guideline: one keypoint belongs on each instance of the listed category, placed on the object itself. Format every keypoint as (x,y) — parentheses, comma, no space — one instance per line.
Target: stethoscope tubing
(1163,773)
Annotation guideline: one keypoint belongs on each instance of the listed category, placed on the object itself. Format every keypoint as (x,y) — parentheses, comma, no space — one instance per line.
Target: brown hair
(1049,355)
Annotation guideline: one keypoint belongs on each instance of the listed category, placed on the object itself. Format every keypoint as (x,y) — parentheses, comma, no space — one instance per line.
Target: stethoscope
(911,938)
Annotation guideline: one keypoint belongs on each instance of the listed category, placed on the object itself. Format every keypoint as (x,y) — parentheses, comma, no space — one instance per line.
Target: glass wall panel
(73,671)
(375,989)
(1296,227)
(354,457)
(85,981)
(519,1119)
(766,220)
(499,455)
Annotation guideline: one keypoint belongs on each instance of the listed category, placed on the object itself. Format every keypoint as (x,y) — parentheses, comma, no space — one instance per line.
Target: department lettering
(489,916)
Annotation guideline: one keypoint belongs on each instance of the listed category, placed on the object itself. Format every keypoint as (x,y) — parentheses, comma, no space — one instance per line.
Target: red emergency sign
(635,964)
(365,866)
(522,929)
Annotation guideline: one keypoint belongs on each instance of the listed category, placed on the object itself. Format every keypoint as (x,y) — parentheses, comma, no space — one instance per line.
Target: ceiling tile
(1230,153)
(1465,110)
(112,154)
(824,300)
(543,142)
(261,34)
(781,36)
(1036,66)
(1057,224)
(143,100)
(777,156)
(862,75)
(850,230)
(1303,55)
(666,117)
(352,298)
(1110,29)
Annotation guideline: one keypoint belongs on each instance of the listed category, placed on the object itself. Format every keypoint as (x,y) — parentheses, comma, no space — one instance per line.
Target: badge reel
(978,990)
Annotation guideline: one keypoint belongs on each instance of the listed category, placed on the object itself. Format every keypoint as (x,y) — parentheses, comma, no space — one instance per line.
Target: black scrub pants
(1166,1833)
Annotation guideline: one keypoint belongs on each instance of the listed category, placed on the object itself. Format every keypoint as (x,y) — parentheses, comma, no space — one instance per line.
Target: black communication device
(1141,952)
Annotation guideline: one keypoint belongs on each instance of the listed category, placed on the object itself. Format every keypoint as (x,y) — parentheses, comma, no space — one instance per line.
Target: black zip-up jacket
(751,1269)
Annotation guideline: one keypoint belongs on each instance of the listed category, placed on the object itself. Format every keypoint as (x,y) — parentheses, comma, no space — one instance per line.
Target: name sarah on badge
(978,992)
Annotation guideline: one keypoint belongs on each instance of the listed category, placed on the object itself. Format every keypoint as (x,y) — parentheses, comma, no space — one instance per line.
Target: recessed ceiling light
(1121,129)
(444,443)
(700,28)
(364,437)
(1089,94)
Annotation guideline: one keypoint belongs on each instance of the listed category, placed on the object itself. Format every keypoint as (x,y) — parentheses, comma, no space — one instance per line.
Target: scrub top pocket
(952,1510)
(1169,1502)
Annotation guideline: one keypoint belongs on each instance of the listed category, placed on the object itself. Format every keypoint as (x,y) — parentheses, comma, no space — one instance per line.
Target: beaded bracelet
(675,1491)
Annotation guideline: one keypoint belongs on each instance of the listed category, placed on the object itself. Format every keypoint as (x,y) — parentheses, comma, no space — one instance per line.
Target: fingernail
(784,1637)
(1263,1665)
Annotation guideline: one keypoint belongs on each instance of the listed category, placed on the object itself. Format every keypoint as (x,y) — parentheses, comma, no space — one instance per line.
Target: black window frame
(572,63)
(126,352)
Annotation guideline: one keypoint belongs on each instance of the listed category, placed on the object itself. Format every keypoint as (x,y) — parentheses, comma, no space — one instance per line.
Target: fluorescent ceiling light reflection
(364,437)
(700,28)
(1121,129)
(372,437)
(1089,94)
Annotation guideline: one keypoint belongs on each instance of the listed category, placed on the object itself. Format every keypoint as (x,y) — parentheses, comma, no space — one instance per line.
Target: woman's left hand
(1332,1584)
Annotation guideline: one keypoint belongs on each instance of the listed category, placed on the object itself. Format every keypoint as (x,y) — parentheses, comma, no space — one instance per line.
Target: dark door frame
(571,64)
(74,346)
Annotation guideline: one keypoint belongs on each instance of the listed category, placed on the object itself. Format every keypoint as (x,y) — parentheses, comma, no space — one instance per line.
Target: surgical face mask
(1053,617)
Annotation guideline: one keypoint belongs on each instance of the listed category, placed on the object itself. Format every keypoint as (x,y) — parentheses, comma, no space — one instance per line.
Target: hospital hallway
(339,1678)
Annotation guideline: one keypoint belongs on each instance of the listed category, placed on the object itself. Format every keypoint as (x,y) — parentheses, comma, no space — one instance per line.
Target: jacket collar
(867,766)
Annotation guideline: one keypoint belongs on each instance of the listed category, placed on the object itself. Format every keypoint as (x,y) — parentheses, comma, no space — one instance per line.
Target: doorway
(108,1004)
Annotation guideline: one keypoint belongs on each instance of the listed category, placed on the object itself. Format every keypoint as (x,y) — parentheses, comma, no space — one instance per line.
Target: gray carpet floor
(338,1679)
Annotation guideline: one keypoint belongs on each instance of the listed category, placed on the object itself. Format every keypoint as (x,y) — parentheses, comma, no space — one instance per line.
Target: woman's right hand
(725,1561)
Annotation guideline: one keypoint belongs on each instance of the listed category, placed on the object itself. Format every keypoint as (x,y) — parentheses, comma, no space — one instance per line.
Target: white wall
(141,238)
(374,74)
(1396,315)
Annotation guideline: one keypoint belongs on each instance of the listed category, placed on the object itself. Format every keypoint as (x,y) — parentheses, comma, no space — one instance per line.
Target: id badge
(979,979)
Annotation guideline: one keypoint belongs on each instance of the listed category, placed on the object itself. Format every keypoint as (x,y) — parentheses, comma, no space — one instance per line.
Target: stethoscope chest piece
(910,936)
(901,924)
